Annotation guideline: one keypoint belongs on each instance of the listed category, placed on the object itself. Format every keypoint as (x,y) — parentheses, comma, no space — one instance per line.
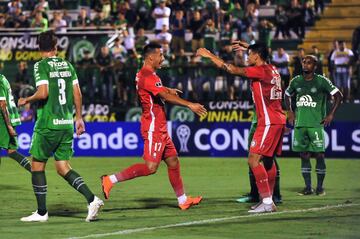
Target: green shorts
(309,139)
(48,142)
(7,141)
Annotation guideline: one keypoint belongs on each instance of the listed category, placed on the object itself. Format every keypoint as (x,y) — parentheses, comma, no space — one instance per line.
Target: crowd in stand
(109,75)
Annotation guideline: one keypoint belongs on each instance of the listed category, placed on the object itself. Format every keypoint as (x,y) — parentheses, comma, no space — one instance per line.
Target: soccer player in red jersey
(267,95)
(158,145)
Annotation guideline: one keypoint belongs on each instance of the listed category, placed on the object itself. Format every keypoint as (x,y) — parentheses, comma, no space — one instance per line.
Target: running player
(57,92)
(9,119)
(158,145)
(267,140)
(311,92)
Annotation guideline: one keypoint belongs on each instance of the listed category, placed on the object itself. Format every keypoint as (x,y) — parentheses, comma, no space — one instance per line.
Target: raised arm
(235,70)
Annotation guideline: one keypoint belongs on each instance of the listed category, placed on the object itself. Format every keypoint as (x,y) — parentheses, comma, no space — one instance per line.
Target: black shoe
(306,191)
(277,200)
(320,192)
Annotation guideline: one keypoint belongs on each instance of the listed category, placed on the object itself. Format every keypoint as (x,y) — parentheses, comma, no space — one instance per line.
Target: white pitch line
(207,221)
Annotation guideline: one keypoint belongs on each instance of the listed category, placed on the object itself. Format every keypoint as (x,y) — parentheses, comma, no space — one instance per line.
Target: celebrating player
(311,92)
(57,92)
(9,119)
(158,145)
(267,140)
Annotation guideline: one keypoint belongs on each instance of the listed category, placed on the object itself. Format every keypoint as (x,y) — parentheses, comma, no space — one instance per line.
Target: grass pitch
(147,208)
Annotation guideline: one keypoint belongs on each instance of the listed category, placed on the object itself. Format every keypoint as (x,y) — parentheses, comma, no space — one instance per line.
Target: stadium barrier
(192,139)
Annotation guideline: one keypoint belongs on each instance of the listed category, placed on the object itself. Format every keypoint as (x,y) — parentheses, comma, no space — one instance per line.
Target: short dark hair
(260,49)
(314,58)
(47,41)
(150,48)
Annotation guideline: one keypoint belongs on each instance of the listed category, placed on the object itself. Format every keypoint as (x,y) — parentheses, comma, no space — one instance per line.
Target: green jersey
(55,112)
(311,99)
(6,94)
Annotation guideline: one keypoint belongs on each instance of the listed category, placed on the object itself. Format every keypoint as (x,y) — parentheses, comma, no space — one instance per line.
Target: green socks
(77,182)
(40,189)
(22,160)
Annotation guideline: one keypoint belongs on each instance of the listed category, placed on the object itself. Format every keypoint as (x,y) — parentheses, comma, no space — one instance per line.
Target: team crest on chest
(298,89)
(253,144)
(313,90)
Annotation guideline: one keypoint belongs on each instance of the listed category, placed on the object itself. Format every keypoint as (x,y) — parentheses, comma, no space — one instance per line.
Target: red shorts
(158,146)
(267,140)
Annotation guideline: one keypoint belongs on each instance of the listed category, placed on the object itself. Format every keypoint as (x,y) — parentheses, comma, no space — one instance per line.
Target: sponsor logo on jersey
(62,64)
(62,121)
(306,101)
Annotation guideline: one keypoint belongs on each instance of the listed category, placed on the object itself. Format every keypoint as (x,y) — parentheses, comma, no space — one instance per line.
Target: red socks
(272,177)
(134,171)
(262,183)
(176,180)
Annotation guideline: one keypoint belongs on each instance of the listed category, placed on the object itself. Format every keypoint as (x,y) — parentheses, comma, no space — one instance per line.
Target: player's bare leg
(184,201)
(134,171)
(262,182)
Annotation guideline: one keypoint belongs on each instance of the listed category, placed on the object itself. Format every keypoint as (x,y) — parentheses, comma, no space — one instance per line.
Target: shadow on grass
(10,187)
(61,210)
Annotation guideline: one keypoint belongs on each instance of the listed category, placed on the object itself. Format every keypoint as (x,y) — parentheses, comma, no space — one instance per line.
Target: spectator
(106,8)
(197,27)
(331,67)
(178,27)
(212,10)
(100,20)
(87,74)
(83,20)
(208,74)
(237,19)
(119,54)
(40,22)
(227,55)
(226,36)
(226,9)
(129,42)
(296,19)
(105,63)
(297,62)
(282,22)
(320,58)
(342,60)
(248,36)
(210,36)
(68,19)
(180,75)
(309,14)
(143,9)
(161,14)
(58,23)
(164,37)
(281,60)
(2,21)
(265,29)
(13,5)
(251,15)
(22,78)
(121,22)
(141,40)
(131,18)
(22,22)
(319,6)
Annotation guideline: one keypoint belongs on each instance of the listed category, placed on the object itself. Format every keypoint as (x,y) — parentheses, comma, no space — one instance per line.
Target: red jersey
(148,86)
(267,94)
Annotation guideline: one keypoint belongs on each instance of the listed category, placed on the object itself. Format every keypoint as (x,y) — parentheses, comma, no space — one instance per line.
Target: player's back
(55,112)
(267,94)
(149,85)
(6,94)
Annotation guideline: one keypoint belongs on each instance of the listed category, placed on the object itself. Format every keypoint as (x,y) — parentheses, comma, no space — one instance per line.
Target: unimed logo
(306,101)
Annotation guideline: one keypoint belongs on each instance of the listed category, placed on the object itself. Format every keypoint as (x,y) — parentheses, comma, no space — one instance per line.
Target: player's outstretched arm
(79,122)
(235,70)
(176,100)
(337,101)
(5,114)
(41,93)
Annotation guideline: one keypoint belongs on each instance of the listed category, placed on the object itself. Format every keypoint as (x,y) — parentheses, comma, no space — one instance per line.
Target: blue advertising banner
(342,140)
